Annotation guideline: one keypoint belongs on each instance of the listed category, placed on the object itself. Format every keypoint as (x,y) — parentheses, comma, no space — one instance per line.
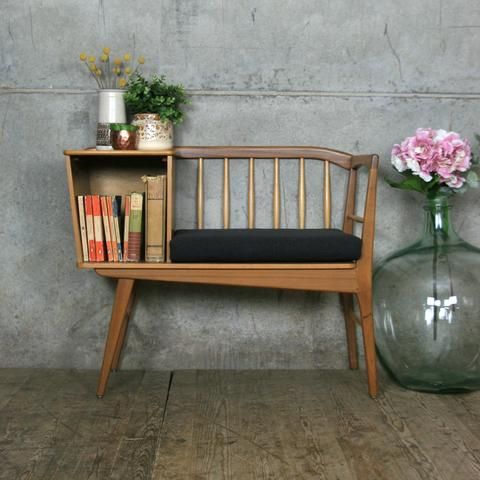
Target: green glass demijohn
(427,308)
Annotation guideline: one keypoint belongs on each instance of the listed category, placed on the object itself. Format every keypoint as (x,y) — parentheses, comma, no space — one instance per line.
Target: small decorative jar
(153,133)
(123,136)
(111,109)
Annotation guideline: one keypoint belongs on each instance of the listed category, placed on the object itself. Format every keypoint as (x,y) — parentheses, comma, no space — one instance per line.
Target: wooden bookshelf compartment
(109,173)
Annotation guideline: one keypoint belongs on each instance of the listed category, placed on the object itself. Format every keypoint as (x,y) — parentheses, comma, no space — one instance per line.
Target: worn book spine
(90,230)
(111,225)
(135,229)
(98,228)
(106,227)
(117,204)
(155,218)
(83,227)
(126,226)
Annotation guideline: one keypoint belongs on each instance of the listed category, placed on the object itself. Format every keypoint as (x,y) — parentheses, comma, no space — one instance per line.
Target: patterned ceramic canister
(153,133)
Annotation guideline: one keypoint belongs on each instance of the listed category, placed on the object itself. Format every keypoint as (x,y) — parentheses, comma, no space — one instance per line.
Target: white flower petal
(398,163)
(425,176)
(413,165)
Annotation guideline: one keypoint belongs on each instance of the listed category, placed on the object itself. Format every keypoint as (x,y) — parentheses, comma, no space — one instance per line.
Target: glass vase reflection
(427,308)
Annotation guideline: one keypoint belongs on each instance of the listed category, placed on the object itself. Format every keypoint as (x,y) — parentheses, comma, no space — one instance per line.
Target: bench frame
(350,279)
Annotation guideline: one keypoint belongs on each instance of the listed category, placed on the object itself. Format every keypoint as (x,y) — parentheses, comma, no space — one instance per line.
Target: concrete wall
(353,75)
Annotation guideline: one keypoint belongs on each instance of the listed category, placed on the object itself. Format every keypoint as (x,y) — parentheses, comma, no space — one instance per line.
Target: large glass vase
(427,308)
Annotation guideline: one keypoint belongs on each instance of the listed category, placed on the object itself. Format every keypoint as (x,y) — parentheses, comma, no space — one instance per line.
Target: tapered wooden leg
(119,310)
(350,327)
(365,303)
(121,339)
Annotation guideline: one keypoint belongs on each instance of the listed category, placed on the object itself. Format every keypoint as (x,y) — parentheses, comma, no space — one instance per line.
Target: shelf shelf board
(92,152)
(210,266)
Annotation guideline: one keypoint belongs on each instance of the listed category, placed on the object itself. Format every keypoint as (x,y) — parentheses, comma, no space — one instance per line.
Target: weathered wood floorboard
(451,446)
(231,425)
(54,427)
(224,425)
(308,424)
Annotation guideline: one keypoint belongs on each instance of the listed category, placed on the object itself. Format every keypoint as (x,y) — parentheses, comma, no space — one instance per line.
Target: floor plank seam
(130,410)
(170,382)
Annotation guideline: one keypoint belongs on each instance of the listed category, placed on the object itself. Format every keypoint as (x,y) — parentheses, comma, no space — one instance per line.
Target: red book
(106,226)
(98,228)
(90,230)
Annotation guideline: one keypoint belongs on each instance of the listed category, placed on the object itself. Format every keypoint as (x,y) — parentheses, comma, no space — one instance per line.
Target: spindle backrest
(328,156)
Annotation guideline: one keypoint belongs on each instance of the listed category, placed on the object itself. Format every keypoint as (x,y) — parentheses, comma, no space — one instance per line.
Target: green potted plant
(156,106)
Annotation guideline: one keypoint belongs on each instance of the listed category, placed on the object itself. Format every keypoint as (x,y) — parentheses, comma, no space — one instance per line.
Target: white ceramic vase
(111,109)
(153,133)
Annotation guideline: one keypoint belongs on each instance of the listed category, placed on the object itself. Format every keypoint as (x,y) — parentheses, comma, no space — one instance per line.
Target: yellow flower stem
(94,76)
(108,77)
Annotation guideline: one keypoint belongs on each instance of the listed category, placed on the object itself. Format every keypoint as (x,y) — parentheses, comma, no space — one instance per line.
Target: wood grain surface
(212,424)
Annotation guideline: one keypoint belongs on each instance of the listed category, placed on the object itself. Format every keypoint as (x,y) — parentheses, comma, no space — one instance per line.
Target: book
(111,225)
(135,228)
(90,230)
(126,226)
(83,227)
(155,218)
(117,208)
(98,228)
(106,227)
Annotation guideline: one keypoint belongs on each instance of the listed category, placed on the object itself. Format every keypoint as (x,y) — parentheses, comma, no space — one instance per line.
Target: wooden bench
(297,259)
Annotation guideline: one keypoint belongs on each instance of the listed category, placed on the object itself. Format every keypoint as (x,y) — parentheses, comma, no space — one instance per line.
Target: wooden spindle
(200,194)
(301,194)
(276,194)
(327,195)
(350,202)
(226,193)
(251,193)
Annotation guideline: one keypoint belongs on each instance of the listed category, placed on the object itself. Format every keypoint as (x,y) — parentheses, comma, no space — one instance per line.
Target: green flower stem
(439,229)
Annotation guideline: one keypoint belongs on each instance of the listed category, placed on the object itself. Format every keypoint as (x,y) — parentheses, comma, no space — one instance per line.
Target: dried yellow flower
(116,74)
(141,59)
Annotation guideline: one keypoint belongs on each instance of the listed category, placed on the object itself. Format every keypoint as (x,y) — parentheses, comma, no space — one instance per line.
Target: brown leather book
(155,203)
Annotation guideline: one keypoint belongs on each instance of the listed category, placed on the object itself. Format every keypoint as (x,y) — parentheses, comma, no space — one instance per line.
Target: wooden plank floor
(231,425)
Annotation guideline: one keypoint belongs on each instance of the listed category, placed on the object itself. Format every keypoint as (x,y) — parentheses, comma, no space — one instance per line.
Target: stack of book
(112,227)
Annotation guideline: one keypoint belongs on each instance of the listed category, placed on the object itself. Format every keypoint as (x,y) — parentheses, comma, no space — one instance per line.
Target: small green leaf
(472,179)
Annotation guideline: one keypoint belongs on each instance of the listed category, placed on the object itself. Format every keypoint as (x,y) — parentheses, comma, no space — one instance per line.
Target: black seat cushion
(264,245)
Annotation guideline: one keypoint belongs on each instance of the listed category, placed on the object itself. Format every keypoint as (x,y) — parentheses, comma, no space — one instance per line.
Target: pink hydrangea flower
(434,153)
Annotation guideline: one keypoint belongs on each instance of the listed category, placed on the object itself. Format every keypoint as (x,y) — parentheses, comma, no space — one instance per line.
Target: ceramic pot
(124,139)
(111,109)
(153,133)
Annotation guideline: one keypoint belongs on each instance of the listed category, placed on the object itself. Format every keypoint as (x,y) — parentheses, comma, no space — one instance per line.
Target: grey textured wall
(353,75)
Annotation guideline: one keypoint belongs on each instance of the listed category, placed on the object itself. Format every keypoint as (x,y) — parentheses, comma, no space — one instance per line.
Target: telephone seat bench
(323,260)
